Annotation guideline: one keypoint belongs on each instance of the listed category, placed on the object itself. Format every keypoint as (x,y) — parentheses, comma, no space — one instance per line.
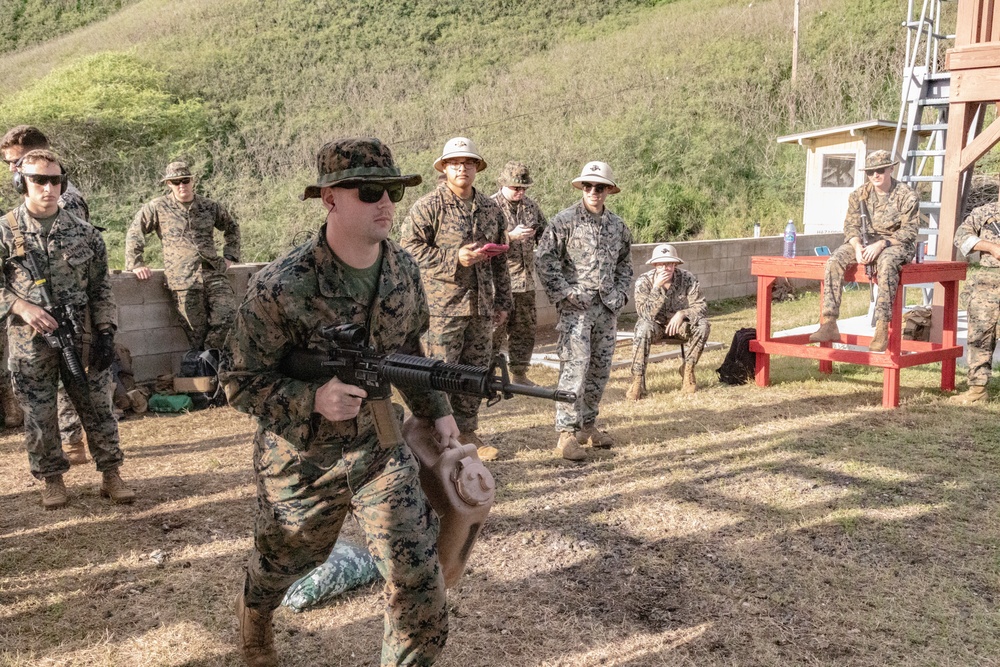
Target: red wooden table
(900,353)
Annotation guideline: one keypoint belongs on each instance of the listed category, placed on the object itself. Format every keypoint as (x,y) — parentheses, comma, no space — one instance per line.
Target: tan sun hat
(597,172)
(459,147)
(665,254)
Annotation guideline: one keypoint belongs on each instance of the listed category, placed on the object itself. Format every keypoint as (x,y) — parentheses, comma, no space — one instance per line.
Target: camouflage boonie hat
(514,174)
(878,160)
(356,160)
(176,170)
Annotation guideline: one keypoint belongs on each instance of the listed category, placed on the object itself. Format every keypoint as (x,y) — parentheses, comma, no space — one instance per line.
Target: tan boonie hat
(879,159)
(596,172)
(356,160)
(459,147)
(665,254)
(176,170)
(514,174)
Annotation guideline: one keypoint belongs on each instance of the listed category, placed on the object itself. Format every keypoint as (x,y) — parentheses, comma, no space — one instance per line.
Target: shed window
(838,171)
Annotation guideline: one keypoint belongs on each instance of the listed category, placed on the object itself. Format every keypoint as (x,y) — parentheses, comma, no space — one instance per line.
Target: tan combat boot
(13,416)
(975,394)
(54,494)
(521,377)
(689,386)
(113,487)
(76,452)
(595,437)
(880,340)
(827,332)
(637,391)
(485,452)
(256,636)
(569,448)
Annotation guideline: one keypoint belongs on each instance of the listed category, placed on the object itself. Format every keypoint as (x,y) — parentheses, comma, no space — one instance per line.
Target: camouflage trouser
(982,294)
(207,313)
(888,263)
(462,340)
(586,345)
(70,428)
(303,497)
(694,334)
(35,372)
(520,329)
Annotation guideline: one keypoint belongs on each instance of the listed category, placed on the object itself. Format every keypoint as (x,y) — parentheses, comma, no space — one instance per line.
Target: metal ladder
(924,111)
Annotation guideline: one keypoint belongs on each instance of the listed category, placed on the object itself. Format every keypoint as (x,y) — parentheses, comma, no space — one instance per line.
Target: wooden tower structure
(974,64)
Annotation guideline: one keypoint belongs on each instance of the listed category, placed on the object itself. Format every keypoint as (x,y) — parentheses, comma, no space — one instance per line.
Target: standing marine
(584,263)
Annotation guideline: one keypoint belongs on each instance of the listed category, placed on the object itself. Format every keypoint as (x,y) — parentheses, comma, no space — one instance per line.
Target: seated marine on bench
(670,305)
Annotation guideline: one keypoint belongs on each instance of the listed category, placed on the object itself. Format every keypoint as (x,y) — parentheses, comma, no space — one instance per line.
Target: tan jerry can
(460,489)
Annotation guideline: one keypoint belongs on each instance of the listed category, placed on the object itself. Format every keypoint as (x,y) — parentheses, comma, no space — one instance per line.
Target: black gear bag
(740,363)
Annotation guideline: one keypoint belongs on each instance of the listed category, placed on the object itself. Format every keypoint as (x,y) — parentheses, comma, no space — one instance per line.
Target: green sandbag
(346,568)
(170,403)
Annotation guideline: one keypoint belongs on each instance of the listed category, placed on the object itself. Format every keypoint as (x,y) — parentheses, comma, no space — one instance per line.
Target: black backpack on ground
(203,363)
(740,363)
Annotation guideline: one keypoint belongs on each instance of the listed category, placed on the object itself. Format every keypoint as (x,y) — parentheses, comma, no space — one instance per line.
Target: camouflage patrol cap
(879,159)
(176,170)
(514,174)
(356,160)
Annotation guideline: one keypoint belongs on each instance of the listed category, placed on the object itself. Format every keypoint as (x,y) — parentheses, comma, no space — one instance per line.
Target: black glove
(102,351)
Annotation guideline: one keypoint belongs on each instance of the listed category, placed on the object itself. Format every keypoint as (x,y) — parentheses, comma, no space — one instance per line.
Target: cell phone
(494,249)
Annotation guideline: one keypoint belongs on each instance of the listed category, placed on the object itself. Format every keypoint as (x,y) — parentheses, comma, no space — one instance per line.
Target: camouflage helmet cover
(514,174)
(356,160)
(879,159)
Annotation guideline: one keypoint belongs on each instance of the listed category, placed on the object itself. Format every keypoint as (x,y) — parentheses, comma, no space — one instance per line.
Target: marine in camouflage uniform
(584,263)
(669,303)
(892,235)
(196,275)
(72,259)
(14,145)
(312,470)
(980,232)
(468,290)
(524,226)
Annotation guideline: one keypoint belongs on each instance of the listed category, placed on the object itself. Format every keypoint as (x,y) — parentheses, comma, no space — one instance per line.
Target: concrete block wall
(149,327)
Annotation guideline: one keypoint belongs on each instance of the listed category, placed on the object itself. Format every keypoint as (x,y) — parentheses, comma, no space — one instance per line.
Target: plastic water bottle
(789,240)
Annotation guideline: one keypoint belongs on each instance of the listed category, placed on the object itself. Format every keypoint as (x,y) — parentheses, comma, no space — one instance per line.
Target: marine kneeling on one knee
(670,305)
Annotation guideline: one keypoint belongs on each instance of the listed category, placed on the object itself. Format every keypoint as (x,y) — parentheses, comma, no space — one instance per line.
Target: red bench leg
(890,388)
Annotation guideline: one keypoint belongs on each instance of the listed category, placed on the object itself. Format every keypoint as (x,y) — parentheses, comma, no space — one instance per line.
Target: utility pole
(795,64)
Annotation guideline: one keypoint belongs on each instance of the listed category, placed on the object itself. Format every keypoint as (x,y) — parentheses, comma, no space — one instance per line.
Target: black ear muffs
(21,184)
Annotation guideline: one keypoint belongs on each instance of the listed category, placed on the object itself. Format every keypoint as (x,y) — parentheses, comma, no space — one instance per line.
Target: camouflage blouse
(288,303)
(187,233)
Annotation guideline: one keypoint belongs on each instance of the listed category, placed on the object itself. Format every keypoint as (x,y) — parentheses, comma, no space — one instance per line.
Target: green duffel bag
(170,403)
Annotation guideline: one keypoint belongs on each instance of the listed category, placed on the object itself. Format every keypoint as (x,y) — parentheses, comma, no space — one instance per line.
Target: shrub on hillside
(111,117)
(662,212)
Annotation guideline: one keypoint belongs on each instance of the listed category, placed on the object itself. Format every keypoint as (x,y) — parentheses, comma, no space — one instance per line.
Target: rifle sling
(15,229)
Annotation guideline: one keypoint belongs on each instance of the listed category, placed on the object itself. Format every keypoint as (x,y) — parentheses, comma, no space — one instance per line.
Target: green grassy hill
(684,98)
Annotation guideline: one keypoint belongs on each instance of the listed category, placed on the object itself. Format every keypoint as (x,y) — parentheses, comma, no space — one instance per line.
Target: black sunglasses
(598,188)
(371,193)
(44,179)
(879,171)
(180,181)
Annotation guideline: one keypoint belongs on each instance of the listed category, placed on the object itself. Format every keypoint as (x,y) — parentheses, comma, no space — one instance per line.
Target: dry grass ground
(800,524)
